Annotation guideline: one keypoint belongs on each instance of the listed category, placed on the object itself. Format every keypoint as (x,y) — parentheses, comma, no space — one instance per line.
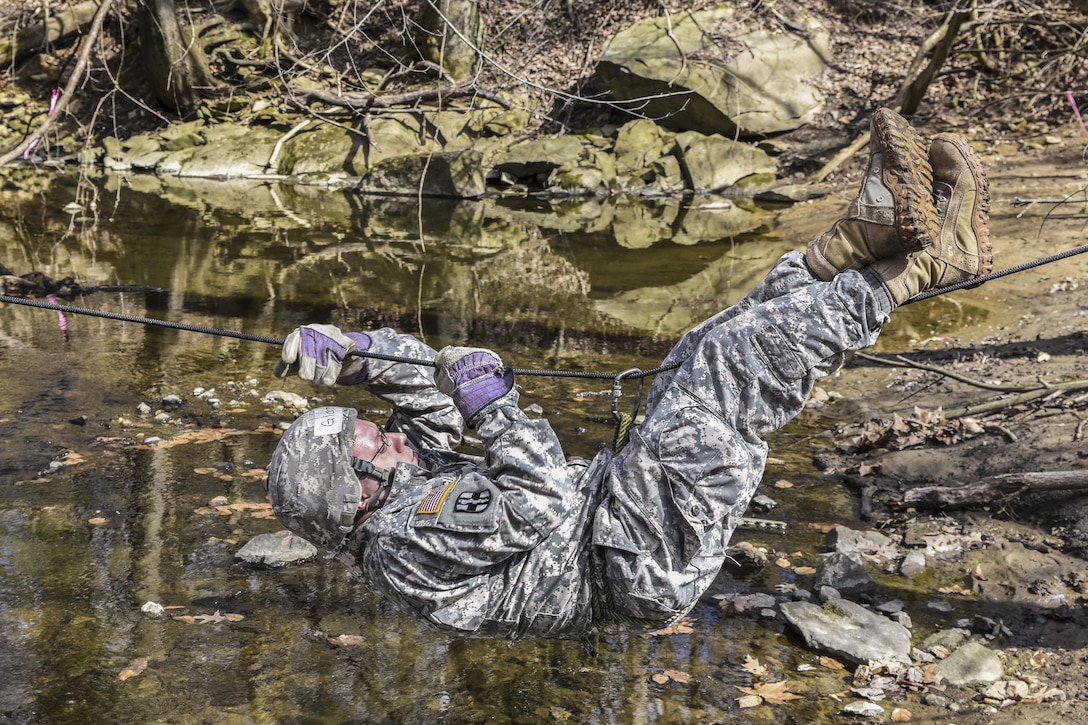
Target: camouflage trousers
(676,490)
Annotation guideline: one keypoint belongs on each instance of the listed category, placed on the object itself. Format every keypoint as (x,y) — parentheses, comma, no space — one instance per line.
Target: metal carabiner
(617,393)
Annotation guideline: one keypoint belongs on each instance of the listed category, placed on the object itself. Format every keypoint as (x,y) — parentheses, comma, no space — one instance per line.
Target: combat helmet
(313,479)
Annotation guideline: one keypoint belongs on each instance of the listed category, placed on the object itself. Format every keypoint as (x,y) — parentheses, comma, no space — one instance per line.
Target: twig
(70,86)
(284,139)
(901,361)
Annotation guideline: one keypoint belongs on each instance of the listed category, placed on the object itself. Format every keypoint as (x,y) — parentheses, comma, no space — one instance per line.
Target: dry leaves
(208,618)
(920,428)
(256,509)
(753,667)
(346,640)
(831,663)
(136,667)
(666,676)
(773,693)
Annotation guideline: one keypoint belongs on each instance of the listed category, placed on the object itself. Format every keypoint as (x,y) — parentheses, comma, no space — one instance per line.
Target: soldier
(526,543)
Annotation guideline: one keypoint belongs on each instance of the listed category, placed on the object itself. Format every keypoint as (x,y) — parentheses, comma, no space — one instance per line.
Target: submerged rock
(848,631)
(276,549)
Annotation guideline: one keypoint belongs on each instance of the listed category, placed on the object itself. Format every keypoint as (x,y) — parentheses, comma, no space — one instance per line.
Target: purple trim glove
(318,353)
(474,378)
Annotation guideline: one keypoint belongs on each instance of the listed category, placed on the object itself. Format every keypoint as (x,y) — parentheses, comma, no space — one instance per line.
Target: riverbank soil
(984,347)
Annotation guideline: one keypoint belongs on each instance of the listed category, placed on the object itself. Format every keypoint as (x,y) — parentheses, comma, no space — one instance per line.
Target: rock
(442,173)
(845,573)
(713,163)
(277,549)
(864,708)
(532,162)
(970,664)
(743,559)
(229,151)
(913,563)
(848,631)
(791,194)
(747,80)
(850,541)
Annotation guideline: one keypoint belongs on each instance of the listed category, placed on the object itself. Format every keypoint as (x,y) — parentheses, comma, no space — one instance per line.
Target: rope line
(584,374)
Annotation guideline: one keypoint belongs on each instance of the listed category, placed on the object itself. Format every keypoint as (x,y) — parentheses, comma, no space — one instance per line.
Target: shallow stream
(105,506)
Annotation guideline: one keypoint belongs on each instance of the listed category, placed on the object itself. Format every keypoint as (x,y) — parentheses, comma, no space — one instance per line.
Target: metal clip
(617,393)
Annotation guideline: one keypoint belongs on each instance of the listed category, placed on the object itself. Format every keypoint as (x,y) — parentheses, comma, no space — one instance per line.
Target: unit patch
(473,502)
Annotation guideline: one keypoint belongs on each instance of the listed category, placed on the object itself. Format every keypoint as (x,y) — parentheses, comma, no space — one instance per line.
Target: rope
(623,421)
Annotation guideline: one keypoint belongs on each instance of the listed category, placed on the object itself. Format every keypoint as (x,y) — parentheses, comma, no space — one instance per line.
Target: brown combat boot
(893,213)
(963,251)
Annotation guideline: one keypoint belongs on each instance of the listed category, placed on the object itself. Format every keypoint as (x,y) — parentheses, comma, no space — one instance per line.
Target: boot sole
(981,210)
(908,174)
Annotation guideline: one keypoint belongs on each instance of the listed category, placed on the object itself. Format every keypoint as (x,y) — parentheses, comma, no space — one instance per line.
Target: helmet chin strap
(383,476)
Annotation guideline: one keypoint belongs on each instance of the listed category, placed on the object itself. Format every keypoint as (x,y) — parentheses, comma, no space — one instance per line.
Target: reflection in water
(98,519)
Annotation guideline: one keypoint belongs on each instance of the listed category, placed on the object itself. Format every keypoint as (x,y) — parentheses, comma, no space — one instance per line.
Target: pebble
(153,608)
(864,708)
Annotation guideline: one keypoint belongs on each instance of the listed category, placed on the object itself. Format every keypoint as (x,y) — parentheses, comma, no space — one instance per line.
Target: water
(99,518)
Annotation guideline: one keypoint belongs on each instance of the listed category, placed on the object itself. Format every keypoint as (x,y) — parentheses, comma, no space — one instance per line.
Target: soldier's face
(384,450)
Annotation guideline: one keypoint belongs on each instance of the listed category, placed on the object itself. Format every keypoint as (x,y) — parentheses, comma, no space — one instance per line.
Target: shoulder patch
(473,502)
(432,502)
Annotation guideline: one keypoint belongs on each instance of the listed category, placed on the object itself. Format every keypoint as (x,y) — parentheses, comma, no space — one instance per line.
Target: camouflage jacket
(495,546)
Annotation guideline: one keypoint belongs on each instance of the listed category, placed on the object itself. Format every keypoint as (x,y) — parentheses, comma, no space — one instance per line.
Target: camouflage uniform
(524,543)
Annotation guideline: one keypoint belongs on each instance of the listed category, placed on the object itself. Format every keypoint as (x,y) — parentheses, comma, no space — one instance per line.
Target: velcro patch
(432,502)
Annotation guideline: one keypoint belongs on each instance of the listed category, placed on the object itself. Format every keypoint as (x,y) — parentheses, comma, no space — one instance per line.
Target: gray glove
(473,377)
(320,353)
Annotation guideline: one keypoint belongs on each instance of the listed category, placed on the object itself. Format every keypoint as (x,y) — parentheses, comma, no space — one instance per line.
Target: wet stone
(863,708)
(971,664)
(845,573)
(276,549)
(849,541)
(848,631)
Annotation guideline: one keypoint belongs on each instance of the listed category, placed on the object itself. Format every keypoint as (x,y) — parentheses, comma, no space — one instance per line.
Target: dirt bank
(1023,330)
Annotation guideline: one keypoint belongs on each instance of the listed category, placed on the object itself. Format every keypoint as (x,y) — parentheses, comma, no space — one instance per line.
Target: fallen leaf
(773,692)
(1038,658)
(97,521)
(134,668)
(832,663)
(804,570)
(209,618)
(900,714)
(346,640)
(753,666)
(749,701)
(783,563)
(662,678)
(783,484)
(955,589)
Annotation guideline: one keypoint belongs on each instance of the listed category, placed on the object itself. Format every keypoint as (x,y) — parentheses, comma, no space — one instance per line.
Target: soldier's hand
(321,354)
(473,377)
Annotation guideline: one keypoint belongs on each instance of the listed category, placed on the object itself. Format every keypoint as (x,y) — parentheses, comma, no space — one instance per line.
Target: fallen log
(994,489)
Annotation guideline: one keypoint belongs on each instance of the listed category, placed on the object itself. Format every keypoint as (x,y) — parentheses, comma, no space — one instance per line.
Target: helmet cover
(313,488)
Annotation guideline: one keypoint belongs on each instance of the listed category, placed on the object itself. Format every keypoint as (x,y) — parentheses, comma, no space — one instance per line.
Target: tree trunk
(176,69)
(446,25)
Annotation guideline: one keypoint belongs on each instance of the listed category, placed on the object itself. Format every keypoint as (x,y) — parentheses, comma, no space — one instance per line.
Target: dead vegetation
(275,63)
